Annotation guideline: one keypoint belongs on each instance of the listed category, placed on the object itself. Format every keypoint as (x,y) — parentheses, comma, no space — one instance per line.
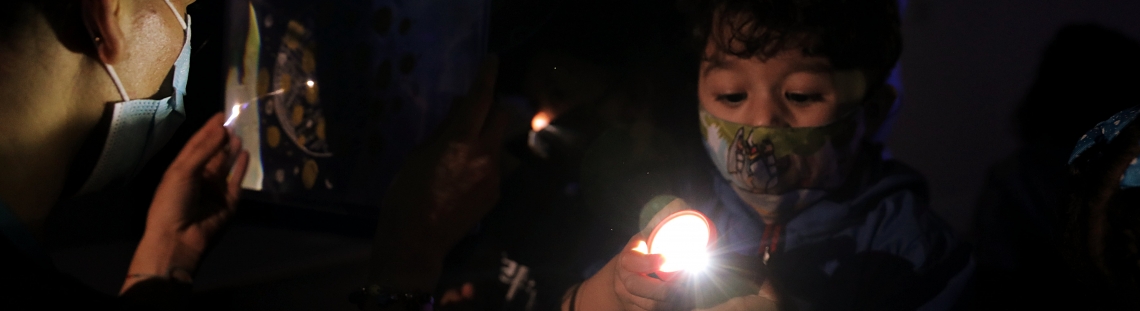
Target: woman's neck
(46,111)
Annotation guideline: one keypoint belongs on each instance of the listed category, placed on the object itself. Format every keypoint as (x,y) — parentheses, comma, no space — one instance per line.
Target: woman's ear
(102,20)
(877,107)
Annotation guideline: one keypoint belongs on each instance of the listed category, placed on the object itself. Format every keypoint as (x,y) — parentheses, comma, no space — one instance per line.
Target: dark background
(965,66)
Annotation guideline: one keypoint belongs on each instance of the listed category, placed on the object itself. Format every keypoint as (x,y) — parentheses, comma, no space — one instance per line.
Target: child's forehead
(791,58)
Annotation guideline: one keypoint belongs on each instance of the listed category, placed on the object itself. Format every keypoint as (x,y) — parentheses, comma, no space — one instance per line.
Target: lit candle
(540,121)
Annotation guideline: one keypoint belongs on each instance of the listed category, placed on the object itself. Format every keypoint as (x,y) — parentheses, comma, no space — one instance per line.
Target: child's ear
(877,107)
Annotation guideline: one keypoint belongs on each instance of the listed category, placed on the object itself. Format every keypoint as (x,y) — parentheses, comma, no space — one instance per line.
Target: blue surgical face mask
(140,127)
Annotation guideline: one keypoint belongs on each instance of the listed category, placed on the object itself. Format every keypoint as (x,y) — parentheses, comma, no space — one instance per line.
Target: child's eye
(803,98)
(734,98)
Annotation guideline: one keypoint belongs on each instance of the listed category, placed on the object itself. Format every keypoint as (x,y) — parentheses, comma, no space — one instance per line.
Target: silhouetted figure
(1099,222)
(1083,78)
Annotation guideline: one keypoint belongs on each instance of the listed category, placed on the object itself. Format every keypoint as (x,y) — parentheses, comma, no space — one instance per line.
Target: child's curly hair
(852,34)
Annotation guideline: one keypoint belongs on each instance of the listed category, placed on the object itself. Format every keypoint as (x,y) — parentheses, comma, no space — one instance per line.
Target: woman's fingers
(233,189)
(202,146)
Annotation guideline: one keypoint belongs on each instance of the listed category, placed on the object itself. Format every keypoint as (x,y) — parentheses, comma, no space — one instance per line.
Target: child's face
(782,125)
(788,90)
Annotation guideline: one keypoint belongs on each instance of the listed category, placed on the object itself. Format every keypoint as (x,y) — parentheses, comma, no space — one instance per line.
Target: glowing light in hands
(682,240)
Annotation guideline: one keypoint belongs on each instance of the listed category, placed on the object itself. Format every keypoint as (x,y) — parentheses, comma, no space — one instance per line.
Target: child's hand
(633,286)
(624,284)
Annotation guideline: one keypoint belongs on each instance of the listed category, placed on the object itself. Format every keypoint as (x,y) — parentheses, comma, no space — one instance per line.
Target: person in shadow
(1081,80)
(1099,216)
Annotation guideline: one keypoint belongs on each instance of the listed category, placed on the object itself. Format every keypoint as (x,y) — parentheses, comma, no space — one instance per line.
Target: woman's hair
(1101,222)
(852,34)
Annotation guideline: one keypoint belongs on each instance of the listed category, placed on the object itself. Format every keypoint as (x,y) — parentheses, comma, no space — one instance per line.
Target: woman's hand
(196,197)
(443,189)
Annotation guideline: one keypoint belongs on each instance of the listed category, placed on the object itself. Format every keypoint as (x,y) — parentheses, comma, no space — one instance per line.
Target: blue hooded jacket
(876,247)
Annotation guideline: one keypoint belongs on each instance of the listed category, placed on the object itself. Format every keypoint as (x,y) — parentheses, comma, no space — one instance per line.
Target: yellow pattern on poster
(308,61)
(321,128)
(286,82)
(298,114)
(272,136)
(309,173)
(312,95)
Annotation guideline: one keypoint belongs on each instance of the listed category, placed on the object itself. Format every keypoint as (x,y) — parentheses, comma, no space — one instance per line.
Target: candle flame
(641,247)
(540,121)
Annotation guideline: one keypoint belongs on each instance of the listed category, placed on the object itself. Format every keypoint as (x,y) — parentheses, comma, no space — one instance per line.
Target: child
(790,94)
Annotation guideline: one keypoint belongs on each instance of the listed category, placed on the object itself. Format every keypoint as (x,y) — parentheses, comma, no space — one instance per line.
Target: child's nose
(765,111)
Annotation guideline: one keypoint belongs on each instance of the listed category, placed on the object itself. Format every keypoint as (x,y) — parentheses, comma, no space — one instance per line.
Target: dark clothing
(29,281)
(879,248)
(872,245)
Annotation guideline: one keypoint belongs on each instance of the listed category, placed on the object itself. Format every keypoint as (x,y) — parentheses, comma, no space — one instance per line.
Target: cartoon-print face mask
(778,168)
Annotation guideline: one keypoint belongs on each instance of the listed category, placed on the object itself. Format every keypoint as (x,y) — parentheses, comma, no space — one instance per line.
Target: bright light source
(641,247)
(234,111)
(310,83)
(540,121)
(683,240)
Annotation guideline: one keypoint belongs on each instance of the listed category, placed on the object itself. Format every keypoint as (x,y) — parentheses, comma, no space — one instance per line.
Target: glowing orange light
(540,121)
(641,247)
(683,240)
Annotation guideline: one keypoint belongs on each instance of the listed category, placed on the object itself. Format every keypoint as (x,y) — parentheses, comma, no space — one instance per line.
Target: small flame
(540,121)
(310,83)
(235,110)
(641,247)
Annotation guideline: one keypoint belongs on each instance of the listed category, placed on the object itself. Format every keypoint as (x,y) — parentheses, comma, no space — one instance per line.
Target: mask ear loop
(181,21)
(111,70)
(118,83)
